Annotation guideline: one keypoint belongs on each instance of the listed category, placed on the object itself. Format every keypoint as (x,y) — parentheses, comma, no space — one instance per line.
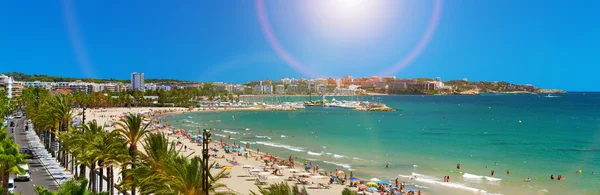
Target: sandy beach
(240,179)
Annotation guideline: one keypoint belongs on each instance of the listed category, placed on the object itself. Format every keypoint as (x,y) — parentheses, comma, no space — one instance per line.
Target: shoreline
(234,182)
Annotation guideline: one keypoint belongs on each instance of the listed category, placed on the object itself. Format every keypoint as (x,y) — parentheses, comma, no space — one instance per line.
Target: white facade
(268,89)
(280,89)
(6,82)
(137,81)
(38,84)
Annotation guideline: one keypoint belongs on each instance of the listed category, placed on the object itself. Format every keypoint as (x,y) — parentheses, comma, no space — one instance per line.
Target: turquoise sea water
(532,135)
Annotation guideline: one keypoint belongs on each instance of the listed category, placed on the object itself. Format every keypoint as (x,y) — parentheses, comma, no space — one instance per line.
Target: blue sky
(548,43)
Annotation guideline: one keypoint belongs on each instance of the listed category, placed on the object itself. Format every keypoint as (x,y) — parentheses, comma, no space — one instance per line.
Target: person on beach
(492,173)
(396,179)
(352,175)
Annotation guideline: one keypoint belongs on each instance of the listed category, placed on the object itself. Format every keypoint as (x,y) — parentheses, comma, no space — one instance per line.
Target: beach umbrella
(308,166)
(372,184)
(362,186)
(372,189)
(383,183)
(264,173)
(375,179)
(247,166)
(353,178)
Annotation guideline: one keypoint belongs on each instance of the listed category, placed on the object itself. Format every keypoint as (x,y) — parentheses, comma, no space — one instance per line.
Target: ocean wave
(338,156)
(328,153)
(276,145)
(283,136)
(262,136)
(219,135)
(314,153)
(230,132)
(469,176)
(245,142)
(431,180)
(347,166)
(247,129)
(422,187)
(356,158)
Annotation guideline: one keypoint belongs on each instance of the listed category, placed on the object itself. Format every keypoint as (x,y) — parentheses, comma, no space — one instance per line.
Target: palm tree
(70,187)
(10,159)
(280,189)
(347,191)
(108,148)
(132,130)
(163,170)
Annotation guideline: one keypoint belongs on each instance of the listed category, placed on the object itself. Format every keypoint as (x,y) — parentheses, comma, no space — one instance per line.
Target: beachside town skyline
(346,85)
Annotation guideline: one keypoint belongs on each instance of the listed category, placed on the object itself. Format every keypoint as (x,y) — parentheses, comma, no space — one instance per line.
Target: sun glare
(348,21)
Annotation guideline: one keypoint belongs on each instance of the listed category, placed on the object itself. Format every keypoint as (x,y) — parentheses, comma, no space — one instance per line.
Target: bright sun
(348,21)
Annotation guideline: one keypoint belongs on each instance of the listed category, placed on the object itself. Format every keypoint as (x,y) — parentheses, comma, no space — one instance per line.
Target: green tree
(132,130)
(70,187)
(10,159)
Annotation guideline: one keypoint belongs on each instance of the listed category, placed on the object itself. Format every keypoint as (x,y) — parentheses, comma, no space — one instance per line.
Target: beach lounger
(324,186)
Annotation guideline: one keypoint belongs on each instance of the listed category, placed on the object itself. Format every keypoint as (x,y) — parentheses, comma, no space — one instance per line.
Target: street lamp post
(205,172)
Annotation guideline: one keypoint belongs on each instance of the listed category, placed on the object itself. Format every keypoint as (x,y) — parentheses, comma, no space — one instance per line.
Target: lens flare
(351,5)
(75,38)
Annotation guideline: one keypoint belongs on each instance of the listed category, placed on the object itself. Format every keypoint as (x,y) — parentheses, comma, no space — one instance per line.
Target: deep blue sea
(533,136)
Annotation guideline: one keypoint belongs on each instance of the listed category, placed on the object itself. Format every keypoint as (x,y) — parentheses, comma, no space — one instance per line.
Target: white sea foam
(246,142)
(338,156)
(272,144)
(230,132)
(283,136)
(347,166)
(314,153)
(356,158)
(247,129)
(219,135)
(328,153)
(262,136)
(420,186)
(429,180)
(468,176)
(492,178)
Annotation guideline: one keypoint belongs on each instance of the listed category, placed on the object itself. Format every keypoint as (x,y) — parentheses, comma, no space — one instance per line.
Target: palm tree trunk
(111,182)
(5,183)
(81,171)
(92,184)
(100,163)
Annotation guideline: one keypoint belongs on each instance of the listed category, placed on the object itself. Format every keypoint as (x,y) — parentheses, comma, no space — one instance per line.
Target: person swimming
(387,165)
(458,166)
(552,177)
(528,180)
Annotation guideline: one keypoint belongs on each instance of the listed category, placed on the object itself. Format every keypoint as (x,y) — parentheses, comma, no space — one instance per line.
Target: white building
(6,83)
(280,89)
(38,84)
(137,81)
(286,80)
(268,89)
(321,88)
(293,87)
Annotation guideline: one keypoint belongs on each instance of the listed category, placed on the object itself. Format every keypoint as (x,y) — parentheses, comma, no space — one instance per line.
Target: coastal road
(39,175)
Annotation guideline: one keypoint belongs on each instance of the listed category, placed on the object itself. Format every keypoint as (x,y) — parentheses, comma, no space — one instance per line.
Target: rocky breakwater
(373,107)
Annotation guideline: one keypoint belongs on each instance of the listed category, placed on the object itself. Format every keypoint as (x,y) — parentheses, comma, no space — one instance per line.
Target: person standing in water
(508,171)
(552,177)
(492,173)
(458,166)
(387,165)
